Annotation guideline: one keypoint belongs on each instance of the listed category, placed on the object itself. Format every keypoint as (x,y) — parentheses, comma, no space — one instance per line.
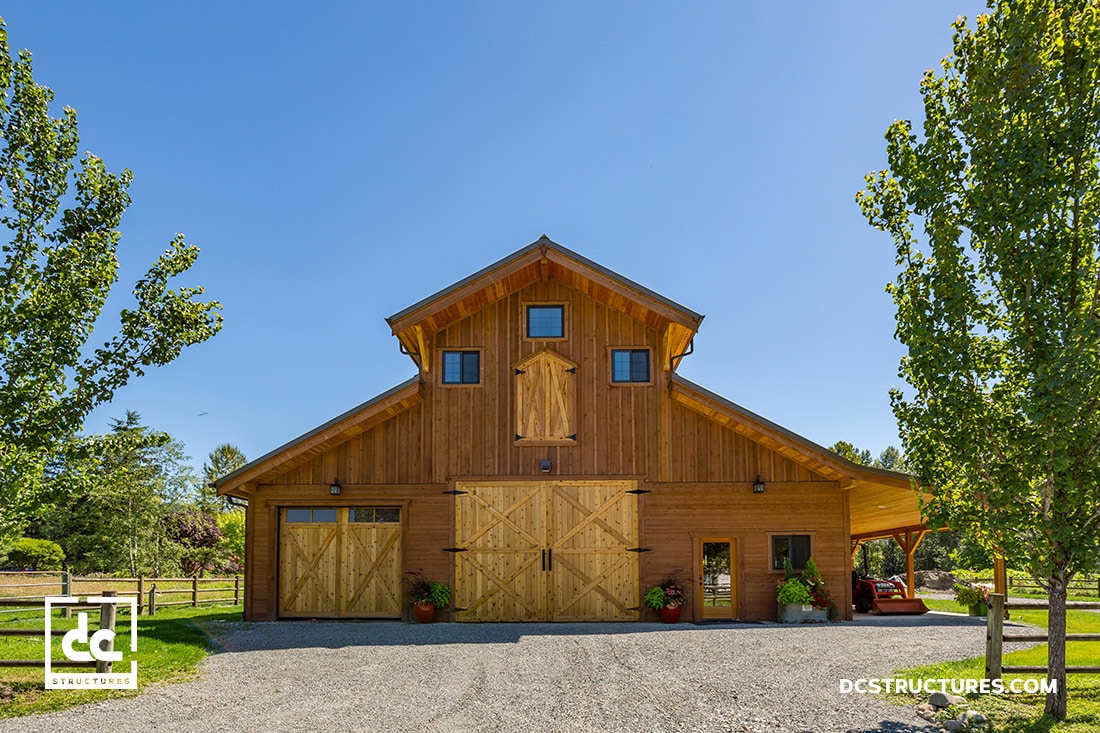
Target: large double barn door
(543,550)
(340,563)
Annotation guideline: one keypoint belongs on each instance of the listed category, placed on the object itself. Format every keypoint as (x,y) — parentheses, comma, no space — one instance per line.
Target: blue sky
(339,161)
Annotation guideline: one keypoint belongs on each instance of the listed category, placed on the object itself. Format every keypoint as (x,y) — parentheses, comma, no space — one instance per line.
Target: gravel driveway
(389,676)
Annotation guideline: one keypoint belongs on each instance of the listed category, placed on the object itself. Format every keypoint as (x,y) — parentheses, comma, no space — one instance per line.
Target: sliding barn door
(546,551)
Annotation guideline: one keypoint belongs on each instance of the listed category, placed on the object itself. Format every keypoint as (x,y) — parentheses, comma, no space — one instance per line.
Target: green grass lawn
(1020,713)
(170,646)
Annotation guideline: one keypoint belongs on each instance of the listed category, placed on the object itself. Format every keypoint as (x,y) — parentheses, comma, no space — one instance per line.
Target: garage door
(340,562)
(538,551)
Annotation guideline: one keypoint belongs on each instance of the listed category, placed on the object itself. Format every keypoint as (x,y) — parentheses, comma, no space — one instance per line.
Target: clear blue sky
(338,161)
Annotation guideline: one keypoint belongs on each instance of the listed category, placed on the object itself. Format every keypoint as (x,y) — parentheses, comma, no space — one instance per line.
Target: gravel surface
(390,676)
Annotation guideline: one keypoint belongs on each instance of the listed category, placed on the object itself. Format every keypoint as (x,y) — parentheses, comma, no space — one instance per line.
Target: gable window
(793,546)
(461,367)
(630,365)
(545,321)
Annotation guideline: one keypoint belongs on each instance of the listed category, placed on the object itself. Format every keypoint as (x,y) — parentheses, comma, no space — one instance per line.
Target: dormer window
(545,321)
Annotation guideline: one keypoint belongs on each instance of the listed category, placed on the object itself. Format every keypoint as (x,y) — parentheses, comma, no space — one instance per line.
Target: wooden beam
(422,348)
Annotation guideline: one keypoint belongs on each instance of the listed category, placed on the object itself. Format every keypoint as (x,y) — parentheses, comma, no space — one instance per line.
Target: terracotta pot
(670,614)
(424,612)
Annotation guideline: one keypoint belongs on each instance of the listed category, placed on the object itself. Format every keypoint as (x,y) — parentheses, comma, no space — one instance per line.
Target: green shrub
(793,591)
(36,554)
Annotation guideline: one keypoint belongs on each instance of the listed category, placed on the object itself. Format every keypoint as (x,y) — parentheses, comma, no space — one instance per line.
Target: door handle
(544,560)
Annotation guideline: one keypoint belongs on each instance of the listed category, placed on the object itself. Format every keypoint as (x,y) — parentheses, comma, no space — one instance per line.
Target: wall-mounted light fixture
(334,488)
(545,465)
(758,486)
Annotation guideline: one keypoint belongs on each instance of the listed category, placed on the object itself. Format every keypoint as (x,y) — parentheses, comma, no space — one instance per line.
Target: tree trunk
(1056,645)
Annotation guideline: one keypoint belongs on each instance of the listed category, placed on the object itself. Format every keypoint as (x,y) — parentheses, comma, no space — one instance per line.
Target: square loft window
(630,365)
(545,321)
(461,367)
(794,546)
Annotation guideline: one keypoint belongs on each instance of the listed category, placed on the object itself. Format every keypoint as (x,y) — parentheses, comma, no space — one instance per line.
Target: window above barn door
(546,399)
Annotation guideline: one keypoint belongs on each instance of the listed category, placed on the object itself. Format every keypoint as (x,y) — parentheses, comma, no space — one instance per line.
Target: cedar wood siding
(698,473)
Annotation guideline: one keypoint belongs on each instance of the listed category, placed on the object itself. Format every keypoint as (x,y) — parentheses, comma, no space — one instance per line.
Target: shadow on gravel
(332,634)
(889,726)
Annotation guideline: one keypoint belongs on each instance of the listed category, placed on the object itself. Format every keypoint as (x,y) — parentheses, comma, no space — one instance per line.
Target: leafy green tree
(844,449)
(57,268)
(223,460)
(232,525)
(994,212)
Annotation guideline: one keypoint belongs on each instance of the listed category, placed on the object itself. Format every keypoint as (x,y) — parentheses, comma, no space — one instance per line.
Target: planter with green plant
(975,598)
(427,596)
(667,598)
(803,599)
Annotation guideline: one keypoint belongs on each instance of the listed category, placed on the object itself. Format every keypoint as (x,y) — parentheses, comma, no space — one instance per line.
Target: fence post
(236,590)
(994,636)
(107,621)
(153,600)
(195,592)
(66,590)
(141,593)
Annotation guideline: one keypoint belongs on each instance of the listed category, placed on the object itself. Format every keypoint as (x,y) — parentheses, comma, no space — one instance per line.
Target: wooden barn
(549,464)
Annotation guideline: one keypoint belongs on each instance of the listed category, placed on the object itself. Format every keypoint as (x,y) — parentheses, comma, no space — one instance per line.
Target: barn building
(549,463)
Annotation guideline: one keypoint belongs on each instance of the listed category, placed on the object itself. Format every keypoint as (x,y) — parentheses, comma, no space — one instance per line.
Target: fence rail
(995,637)
(146,590)
(1081,586)
(106,621)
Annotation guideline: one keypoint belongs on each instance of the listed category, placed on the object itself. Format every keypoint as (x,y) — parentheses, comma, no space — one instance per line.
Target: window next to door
(793,546)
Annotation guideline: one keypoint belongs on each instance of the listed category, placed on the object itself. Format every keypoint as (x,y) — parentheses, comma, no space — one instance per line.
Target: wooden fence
(106,621)
(995,637)
(1081,586)
(149,595)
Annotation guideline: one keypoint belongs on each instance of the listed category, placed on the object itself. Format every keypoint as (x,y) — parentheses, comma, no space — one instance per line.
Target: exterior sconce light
(544,465)
(334,487)
(758,486)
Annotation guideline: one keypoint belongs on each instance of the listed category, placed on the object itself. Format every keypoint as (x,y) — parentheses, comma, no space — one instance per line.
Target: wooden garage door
(340,562)
(546,551)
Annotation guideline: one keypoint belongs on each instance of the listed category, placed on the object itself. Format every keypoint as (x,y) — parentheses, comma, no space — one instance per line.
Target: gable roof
(305,447)
(542,260)
(880,502)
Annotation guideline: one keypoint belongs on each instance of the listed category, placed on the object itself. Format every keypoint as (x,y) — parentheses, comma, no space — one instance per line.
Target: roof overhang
(542,260)
(242,482)
(880,502)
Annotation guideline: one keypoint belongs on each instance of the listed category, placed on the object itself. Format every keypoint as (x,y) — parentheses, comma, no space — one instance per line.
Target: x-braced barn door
(541,551)
(340,562)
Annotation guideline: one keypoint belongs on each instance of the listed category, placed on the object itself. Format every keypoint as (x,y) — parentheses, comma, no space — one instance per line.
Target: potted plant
(426,596)
(974,597)
(667,597)
(804,598)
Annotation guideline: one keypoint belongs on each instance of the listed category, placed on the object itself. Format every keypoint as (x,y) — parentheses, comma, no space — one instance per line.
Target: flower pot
(796,613)
(424,612)
(670,614)
(979,609)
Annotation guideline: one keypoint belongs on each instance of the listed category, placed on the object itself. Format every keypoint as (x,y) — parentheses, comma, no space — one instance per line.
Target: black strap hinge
(571,437)
(454,549)
(635,608)
(519,437)
(520,371)
(639,549)
(456,492)
(572,370)
(639,491)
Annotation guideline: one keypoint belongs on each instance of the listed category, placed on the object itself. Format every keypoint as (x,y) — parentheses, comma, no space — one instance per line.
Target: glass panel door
(717,578)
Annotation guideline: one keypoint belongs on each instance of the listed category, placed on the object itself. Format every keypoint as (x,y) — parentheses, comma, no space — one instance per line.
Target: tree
(57,269)
(994,216)
(223,460)
(200,537)
(35,554)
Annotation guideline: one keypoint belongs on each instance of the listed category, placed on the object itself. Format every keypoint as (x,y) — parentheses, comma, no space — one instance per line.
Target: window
(794,546)
(461,367)
(630,365)
(545,321)
(375,514)
(311,515)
